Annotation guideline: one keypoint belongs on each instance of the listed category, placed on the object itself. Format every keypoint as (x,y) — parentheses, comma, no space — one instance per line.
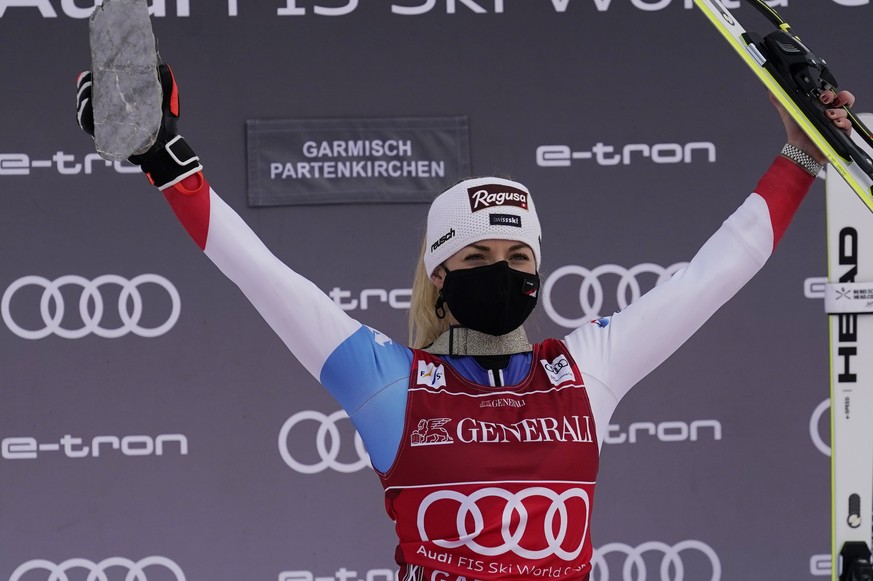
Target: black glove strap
(170,164)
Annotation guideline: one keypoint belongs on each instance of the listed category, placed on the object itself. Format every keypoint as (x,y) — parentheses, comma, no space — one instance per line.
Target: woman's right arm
(307,320)
(362,368)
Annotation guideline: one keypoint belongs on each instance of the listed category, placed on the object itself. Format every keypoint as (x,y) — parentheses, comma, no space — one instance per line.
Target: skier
(487,445)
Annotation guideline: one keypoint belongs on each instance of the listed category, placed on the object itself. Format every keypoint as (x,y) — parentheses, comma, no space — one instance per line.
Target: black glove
(170,159)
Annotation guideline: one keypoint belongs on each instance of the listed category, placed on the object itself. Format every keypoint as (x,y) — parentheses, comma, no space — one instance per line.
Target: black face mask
(493,299)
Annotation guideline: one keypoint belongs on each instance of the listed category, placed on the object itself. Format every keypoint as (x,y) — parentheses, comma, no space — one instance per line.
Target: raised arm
(636,340)
(363,369)
(647,332)
(307,320)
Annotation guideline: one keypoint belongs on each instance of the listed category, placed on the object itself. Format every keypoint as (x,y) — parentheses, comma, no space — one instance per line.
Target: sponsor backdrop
(153,427)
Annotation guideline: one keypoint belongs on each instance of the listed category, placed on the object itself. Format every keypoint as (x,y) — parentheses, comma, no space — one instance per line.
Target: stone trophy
(126,89)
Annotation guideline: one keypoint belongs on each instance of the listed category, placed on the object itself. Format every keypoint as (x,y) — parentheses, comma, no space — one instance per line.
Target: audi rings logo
(52,306)
(816,429)
(669,560)
(592,291)
(327,444)
(134,571)
(555,526)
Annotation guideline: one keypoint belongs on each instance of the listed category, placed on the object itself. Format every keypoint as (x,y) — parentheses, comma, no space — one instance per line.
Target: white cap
(480,209)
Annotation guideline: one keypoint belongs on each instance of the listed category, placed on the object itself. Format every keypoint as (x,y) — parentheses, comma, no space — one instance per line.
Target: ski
(797,77)
(849,304)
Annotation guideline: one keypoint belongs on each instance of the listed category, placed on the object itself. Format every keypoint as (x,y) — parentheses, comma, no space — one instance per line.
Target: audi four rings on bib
(469,509)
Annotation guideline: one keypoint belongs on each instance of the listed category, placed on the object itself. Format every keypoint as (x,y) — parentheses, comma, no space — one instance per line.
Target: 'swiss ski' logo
(491,195)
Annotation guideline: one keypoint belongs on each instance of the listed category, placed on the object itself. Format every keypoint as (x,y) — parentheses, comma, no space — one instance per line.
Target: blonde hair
(424,325)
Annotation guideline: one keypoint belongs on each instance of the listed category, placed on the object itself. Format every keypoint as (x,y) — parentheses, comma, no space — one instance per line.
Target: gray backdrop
(180,453)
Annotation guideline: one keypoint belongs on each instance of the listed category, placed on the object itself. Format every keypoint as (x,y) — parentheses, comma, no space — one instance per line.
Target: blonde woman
(487,445)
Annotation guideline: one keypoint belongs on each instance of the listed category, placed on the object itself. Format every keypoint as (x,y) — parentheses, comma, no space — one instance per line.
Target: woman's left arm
(647,332)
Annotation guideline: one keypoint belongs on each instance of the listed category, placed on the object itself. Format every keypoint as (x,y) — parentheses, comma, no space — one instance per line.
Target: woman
(487,446)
